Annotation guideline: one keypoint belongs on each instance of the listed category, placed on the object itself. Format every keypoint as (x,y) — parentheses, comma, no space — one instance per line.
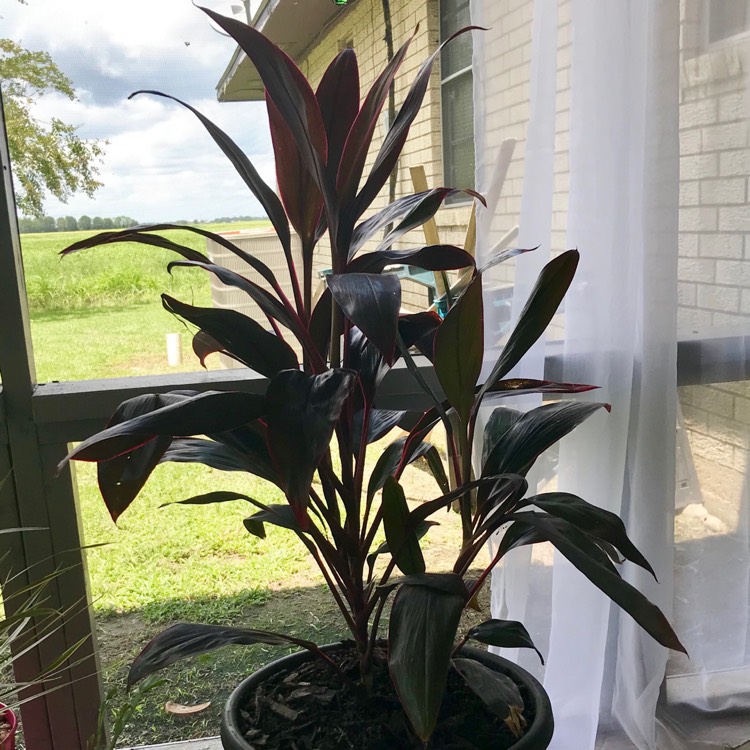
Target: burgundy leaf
(301,412)
(302,198)
(459,349)
(338,98)
(238,335)
(402,539)
(394,141)
(203,345)
(423,211)
(121,478)
(419,329)
(540,308)
(201,414)
(372,303)
(430,258)
(186,639)
(421,632)
(265,195)
(360,134)
(289,90)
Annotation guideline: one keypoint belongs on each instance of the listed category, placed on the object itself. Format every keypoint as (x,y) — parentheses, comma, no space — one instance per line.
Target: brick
(734,163)
(690,141)
(713,401)
(720,245)
(725,136)
(699,166)
(734,219)
(723,191)
(694,269)
(745,302)
(712,449)
(690,193)
(702,112)
(698,219)
(733,272)
(722,298)
(686,294)
(687,244)
(732,106)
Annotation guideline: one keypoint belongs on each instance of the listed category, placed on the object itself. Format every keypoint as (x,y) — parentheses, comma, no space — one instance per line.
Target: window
(727,18)
(456,87)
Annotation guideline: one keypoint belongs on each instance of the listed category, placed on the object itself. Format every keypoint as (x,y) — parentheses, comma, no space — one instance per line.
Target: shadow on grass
(306,612)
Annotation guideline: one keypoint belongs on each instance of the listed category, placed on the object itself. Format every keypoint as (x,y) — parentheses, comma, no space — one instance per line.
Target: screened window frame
(708,19)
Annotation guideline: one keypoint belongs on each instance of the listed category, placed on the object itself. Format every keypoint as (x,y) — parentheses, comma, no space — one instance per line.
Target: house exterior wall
(714,246)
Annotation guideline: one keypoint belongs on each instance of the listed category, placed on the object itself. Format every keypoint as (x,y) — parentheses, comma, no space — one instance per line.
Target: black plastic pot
(537,737)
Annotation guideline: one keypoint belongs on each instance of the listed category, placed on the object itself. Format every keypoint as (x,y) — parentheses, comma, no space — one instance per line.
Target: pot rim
(10,715)
(539,732)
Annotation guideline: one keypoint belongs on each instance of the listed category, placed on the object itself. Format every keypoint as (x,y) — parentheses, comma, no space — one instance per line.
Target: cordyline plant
(325,405)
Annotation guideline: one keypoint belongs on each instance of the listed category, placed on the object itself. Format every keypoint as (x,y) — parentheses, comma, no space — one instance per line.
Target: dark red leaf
(240,336)
(430,258)
(290,92)
(394,141)
(459,349)
(201,414)
(421,632)
(401,537)
(302,198)
(372,303)
(301,412)
(360,135)
(338,98)
(265,195)
(540,308)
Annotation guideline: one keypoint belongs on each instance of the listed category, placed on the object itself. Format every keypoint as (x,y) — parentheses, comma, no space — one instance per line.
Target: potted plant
(319,415)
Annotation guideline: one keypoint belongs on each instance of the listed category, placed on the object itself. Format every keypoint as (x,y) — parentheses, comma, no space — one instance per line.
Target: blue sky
(160,164)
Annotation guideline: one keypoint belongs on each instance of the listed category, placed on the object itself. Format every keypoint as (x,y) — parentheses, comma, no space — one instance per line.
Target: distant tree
(25,225)
(60,224)
(47,157)
(97,222)
(71,224)
(47,224)
(108,223)
(84,222)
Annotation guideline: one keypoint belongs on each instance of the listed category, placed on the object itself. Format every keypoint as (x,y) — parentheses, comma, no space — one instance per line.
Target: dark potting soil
(310,709)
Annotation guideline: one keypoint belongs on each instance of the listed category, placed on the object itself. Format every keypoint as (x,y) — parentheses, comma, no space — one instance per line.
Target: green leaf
(499,693)
(540,308)
(422,629)
(400,535)
(503,634)
(459,348)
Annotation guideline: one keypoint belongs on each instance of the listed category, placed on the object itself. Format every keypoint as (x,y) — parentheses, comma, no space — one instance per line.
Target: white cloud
(160,163)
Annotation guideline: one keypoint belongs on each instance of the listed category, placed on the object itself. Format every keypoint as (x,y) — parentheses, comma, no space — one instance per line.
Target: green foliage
(47,158)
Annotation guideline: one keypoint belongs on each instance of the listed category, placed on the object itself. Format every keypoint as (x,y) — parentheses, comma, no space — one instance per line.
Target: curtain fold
(631,126)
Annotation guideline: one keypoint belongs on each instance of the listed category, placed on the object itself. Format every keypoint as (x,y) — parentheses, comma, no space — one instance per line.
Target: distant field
(115,275)
(97,313)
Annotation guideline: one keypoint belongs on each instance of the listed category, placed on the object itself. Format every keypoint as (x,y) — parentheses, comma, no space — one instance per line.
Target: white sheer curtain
(604,98)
